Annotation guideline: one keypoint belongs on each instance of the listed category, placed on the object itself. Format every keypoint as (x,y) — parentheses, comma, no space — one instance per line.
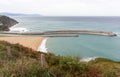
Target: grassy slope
(107,66)
(24,62)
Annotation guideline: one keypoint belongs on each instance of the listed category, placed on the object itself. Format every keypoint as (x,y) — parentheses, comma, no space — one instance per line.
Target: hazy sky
(63,7)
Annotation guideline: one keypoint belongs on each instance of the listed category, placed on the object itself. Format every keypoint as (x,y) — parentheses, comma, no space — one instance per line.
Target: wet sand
(27,41)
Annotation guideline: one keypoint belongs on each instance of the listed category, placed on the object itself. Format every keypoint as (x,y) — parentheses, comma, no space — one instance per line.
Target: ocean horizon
(84,46)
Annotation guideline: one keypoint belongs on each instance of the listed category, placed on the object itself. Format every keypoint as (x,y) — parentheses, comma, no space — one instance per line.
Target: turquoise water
(83,46)
(86,46)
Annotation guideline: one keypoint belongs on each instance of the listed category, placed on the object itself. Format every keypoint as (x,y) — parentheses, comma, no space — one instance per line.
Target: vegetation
(19,61)
(6,22)
(3,28)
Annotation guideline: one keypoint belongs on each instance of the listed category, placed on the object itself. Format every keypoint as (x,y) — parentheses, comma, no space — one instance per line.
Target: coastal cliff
(6,23)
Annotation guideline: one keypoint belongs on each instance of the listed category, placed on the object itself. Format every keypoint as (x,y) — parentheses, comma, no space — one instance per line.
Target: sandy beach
(28,41)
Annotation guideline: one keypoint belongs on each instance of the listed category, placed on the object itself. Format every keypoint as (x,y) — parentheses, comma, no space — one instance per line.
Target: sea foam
(42,47)
(88,59)
(118,34)
(18,29)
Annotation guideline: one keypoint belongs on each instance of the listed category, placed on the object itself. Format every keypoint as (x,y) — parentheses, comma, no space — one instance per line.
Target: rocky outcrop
(6,23)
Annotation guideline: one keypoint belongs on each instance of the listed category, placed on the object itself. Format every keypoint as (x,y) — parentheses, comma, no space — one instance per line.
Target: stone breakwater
(81,32)
(62,33)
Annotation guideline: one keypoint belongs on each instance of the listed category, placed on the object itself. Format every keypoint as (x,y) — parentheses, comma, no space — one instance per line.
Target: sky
(62,7)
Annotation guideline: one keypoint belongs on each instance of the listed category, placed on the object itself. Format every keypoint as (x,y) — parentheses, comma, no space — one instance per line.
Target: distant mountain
(18,14)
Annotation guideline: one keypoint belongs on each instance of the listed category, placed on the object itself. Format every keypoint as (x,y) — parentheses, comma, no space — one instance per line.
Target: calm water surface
(85,45)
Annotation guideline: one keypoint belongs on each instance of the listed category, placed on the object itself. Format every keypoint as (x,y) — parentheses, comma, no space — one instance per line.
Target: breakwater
(62,33)
(81,32)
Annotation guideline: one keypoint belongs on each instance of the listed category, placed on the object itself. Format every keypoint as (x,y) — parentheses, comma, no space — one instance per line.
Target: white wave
(88,59)
(18,29)
(42,47)
(118,33)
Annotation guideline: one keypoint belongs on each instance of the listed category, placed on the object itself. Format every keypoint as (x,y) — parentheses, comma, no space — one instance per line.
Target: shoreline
(32,42)
(88,59)
(42,47)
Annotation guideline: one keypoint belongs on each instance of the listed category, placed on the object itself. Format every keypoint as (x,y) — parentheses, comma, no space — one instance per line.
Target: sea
(87,47)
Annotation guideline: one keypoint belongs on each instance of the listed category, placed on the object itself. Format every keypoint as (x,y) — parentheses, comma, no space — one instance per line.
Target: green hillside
(19,61)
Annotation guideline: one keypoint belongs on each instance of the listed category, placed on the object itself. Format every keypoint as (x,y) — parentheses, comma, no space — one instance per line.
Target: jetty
(62,33)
